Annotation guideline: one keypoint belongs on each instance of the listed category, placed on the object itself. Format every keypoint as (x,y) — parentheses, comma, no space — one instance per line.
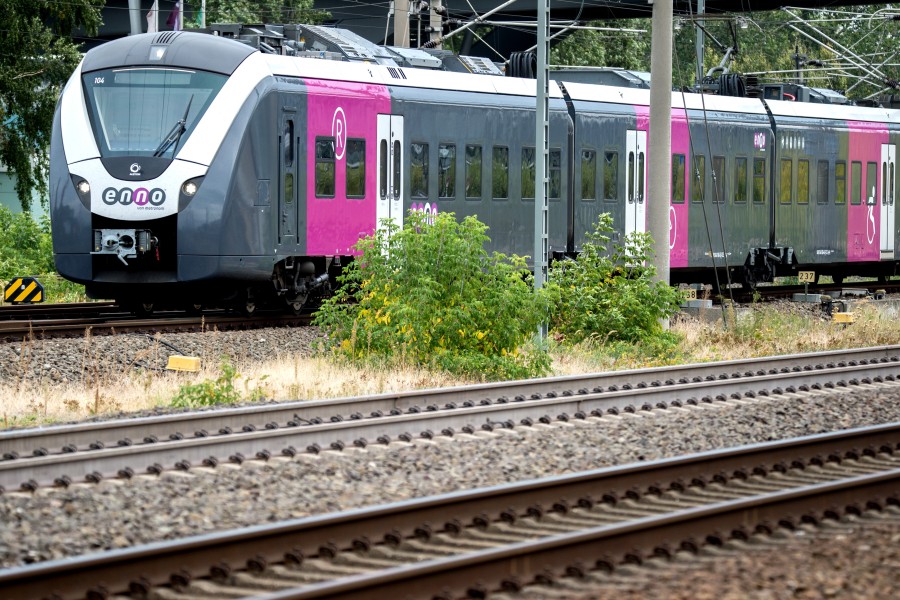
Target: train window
(856,182)
(288,143)
(888,184)
(840,182)
(555,174)
(718,174)
(641,177)
(325,167)
(630,181)
(740,179)
(884,183)
(396,164)
(289,188)
(678,179)
(699,179)
(787,175)
(871,183)
(447,171)
(134,109)
(611,176)
(759,180)
(356,168)
(500,172)
(803,182)
(529,173)
(418,171)
(382,168)
(822,182)
(473,172)
(588,174)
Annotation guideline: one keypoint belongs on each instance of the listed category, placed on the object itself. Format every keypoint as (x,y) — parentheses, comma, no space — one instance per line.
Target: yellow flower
(479,335)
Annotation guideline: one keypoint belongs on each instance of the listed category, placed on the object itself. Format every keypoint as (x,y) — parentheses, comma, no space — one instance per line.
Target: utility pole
(134,17)
(700,39)
(542,153)
(660,165)
(799,63)
(401,23)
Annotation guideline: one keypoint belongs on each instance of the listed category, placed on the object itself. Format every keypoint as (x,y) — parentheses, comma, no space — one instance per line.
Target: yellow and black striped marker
(23,290)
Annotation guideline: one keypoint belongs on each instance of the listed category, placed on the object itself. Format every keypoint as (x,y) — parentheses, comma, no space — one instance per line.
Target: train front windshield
(147,111)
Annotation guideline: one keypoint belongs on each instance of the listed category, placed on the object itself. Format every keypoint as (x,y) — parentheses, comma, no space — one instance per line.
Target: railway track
(63,455)
(72,320)
(499,539)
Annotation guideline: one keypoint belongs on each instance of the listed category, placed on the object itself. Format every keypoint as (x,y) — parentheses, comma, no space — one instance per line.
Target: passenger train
(191,169)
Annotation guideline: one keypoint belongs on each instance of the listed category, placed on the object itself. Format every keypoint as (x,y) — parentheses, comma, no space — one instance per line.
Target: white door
(636,182)
(888,177)
(390,169)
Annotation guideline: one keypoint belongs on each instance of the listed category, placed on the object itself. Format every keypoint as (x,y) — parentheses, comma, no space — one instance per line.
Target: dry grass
(758,332)
(285,378)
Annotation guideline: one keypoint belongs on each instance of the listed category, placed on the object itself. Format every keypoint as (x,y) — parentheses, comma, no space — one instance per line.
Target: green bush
(26,250)
(430,295)
(220,391)
(610,296)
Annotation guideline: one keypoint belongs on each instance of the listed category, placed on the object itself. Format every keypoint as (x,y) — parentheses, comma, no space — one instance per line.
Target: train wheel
(194,309)
(249,308)
(143,309)
(837,279)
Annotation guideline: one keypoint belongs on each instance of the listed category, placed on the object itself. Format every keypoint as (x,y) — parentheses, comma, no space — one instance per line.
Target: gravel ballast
(53,523)
(104,357)
(856,557)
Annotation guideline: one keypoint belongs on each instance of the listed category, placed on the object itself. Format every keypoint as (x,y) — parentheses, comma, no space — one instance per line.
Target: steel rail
(508,567)
(187,452)
(21,312)
(80,436)
(161,563)
(163,322)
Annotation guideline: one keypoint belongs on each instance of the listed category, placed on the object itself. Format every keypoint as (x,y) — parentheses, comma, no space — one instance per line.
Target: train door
(888,162)
(390,169)
(287,196)
(636,182)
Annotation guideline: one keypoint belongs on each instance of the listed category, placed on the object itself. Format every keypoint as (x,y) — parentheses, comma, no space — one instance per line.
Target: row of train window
(599,178)
(794,183)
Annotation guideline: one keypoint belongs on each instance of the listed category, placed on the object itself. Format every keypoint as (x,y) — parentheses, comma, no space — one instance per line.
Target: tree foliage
(26,250)
(254,11)
(610,295)
(430,295)
(767,47)
(36,59)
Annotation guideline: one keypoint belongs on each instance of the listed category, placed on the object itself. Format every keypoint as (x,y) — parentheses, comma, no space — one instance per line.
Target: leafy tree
(36,59)
(26,250)
(430,295)
(610,296)
(255,11)
(594,48)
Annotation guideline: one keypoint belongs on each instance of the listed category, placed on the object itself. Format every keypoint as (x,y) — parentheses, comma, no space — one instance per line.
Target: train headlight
(83,189)
(189,188)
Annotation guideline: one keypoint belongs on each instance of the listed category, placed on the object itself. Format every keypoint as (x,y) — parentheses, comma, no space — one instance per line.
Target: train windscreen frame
(135,110)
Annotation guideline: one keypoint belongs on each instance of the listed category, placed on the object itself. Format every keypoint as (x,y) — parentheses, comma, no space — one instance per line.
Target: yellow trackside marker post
(806,277)
(183,363)
(23,290)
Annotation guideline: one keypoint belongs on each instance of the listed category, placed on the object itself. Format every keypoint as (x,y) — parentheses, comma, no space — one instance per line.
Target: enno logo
(138,197)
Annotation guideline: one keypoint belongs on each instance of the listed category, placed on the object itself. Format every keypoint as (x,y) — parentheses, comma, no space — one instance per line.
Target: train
(220,168)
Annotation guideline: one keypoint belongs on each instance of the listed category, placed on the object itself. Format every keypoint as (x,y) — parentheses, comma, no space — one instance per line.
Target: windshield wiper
(174,135)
